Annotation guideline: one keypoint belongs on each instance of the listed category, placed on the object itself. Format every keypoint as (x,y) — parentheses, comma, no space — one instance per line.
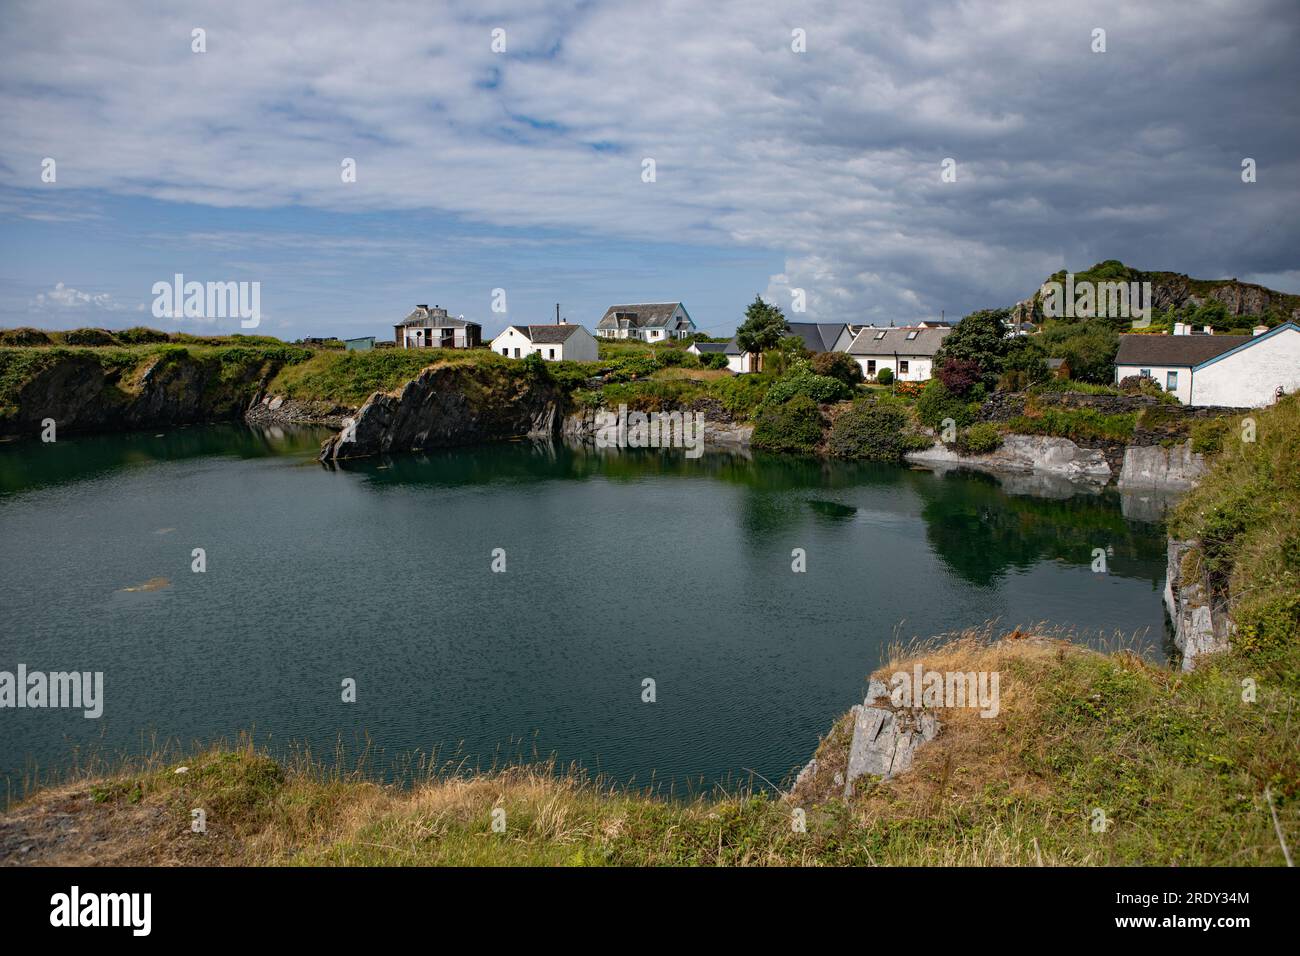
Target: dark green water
(620,566)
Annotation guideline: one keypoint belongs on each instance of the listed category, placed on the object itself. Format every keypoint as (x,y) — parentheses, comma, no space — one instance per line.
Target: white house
(648,322)
(555,343)
(815,336)
(1240,371)
(427,328)
(907,352)
(707,348)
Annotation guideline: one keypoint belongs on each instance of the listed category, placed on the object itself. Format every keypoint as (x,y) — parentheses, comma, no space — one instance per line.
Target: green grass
(1245,514)
(1075,424)
(1177,763)
(349,378)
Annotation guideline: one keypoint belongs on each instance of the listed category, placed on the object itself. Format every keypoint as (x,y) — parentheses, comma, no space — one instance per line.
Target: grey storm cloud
(830,157)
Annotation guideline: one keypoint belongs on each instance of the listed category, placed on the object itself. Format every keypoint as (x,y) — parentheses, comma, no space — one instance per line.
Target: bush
(937,403)
(885,376)
(94,337)
(837,365)
(801,380)
(24,336)
(713,360)
(871,432)
(980,439)
(794,426)
(1013,381)
(1076,423)
(142,335)
(631,367)
(1207,435)
(741,395)
(959,375)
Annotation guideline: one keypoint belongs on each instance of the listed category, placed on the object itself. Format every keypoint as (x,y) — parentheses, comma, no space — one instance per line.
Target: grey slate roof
(1181,350)
(433,319)
(707,347)
(895,340)
(816,336)
(547,334)
(644,315)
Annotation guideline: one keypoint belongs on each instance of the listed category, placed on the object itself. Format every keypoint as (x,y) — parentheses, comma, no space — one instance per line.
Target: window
(911,335)
(871,366)
(1171,381)
(1144,372)
(902,366)
(879,336)
(516,353)
(506,353)
(550,353)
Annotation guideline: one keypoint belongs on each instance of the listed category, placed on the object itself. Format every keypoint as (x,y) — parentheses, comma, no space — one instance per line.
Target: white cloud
(830,157)
(64,298)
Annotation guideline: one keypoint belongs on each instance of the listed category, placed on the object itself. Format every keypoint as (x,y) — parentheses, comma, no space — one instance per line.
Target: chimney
(1259,330)
(1180,328)
(1207,329)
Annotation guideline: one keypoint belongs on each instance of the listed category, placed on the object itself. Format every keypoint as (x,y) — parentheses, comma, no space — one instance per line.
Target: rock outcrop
(1199,626)
(1156,467)
(448,405)
(93,391)
(1026,454)
(885,737)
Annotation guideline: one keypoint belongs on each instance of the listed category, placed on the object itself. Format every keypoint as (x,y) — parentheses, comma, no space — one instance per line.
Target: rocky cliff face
(1174,290)
(84,391)
(1199,626)
(449,405)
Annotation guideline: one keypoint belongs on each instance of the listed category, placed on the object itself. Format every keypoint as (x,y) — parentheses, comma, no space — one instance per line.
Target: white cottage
(907,352)
(647,322)
(1240,371)
(815,336)
(555,343)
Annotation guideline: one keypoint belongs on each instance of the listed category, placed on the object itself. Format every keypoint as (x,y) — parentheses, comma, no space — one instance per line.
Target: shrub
(959,375)
(909,389)
(633,366)
(885,376)
(936,403)
(801,380)
(871,432)
(1207,435)
(24,336)
(794,426)
(713,360)
(980,439)
(1013,381)
(837,365)
(741,395)
(1076,423)
(142,335)
(94,337)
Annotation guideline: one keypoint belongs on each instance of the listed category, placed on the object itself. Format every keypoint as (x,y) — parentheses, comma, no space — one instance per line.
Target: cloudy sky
(524,169)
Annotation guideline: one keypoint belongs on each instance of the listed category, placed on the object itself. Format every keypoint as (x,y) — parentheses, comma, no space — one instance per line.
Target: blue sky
(522,169)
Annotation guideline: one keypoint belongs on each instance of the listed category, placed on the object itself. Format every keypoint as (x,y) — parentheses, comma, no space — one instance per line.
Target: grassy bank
(1177,764)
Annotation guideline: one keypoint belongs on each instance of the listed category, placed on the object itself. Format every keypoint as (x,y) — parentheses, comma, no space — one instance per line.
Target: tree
(763,329)
(839,365)
(980,337)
